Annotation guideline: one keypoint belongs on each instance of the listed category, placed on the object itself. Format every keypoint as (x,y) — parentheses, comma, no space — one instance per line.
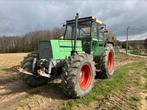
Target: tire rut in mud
(19,96)
(8,78)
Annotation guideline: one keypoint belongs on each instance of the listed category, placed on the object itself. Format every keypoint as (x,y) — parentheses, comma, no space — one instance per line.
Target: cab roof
(85,19)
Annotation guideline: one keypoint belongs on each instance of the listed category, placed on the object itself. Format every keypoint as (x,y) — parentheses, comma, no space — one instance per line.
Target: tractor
(84,53)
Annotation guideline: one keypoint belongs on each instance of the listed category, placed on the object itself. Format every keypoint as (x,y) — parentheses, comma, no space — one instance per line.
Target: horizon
(130,37)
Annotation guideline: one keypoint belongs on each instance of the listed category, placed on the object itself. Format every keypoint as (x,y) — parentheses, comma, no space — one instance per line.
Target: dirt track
(14,94)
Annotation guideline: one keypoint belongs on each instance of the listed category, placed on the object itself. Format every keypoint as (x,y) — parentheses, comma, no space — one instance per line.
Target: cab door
(97,40)
(101,38)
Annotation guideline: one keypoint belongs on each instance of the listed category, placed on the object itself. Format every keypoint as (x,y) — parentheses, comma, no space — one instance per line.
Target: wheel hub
(85,76)
(110,62)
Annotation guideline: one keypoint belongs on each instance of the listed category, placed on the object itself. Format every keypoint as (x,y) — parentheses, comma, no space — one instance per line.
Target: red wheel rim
(85,76)
(110,62)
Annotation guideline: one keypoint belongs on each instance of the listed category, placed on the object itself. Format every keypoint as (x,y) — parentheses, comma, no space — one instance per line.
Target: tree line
(27,42)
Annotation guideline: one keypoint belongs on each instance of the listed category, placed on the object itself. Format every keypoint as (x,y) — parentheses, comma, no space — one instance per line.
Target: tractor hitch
(22,71)
(40,73)
(40,67)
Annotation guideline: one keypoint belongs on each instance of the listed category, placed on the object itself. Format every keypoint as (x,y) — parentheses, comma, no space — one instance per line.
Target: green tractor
(84,53)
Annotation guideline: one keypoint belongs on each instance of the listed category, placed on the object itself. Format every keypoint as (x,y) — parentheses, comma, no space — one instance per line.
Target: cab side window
(101,33)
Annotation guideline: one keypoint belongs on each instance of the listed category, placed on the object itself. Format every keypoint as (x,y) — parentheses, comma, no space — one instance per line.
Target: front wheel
(30,80)
(78,75)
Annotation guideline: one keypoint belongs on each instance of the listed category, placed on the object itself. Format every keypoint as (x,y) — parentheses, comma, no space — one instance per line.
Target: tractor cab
(90,31)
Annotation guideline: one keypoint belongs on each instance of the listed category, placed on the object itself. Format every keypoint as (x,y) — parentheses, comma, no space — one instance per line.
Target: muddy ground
(15,95)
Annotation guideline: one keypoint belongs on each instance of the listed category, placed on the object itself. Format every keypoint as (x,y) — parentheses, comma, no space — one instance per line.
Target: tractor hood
(57,49)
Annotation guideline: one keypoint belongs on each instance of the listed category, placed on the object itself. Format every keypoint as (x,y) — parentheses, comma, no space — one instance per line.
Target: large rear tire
(107,63)
(30,80)
(78,75)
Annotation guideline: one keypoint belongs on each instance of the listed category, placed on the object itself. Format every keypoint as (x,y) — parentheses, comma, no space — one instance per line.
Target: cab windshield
(83,30)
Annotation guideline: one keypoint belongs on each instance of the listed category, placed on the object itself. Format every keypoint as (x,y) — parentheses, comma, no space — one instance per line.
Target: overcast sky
(18,17)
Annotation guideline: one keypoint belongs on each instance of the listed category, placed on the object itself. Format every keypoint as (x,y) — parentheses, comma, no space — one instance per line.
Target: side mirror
(64,25)
(101,28)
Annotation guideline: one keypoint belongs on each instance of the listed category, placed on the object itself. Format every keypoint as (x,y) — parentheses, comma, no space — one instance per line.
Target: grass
(104,87)
(145,75)
(120,54)
(137,52)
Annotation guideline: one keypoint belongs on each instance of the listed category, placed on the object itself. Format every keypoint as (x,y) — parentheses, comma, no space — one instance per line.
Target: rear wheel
(27,65)
(78,75)
(107,63)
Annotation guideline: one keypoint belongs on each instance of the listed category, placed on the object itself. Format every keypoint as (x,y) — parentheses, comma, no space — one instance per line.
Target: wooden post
(127,40)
